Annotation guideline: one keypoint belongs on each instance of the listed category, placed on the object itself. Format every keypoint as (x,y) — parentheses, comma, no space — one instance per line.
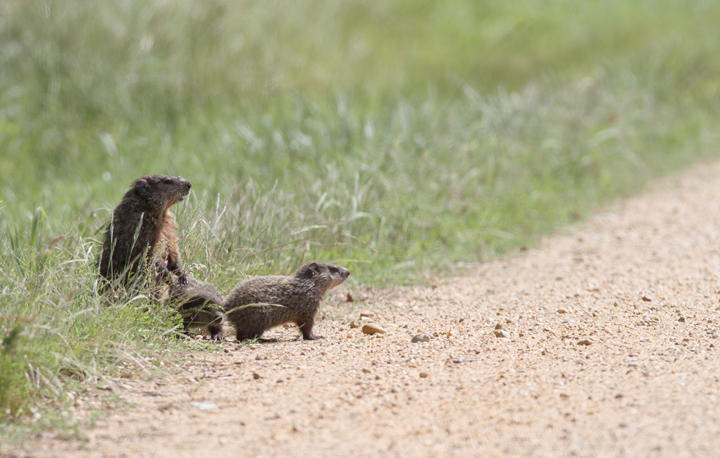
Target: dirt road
(612,350)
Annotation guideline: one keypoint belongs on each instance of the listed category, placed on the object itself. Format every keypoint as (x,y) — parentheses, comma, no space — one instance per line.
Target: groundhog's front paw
(182,279)
(312,337)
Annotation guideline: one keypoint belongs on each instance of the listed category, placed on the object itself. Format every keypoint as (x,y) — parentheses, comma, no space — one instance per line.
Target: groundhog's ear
(314,267)
(141,186)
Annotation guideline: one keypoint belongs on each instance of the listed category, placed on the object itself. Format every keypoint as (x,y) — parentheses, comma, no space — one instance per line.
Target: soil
(600,343)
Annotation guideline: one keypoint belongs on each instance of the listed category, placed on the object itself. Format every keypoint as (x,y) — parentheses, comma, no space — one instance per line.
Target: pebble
(498,326)
(421,338)
(372,328)
(354,324)
(423,374)
(501,333)
(256,375)
(647,298)
(562,311)
(367,313)
(204,405)
(584,342)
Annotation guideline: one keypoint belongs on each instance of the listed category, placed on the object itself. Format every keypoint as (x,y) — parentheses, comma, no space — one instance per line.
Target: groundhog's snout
(184,188)
(339,275)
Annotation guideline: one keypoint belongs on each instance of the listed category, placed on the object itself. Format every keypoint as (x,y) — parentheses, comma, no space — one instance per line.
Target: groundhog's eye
(167,181)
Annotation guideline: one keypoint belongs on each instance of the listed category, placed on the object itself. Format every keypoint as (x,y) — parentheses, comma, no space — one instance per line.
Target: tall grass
(392,137)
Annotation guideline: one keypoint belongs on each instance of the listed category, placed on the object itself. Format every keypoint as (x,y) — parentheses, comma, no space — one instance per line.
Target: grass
(391,137)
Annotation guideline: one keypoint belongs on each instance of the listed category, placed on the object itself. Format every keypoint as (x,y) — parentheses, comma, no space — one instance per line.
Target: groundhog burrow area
(603,342)
(141,242)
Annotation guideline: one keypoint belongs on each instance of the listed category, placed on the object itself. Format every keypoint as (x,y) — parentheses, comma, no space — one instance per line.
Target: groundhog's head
(161,190)
(325,275)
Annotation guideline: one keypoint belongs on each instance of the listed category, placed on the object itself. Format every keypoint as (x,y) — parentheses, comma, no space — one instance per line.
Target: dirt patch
(601,343)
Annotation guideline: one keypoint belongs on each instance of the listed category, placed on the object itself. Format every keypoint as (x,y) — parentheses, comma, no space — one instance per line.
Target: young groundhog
(140,224)
(200,305)
(293,299)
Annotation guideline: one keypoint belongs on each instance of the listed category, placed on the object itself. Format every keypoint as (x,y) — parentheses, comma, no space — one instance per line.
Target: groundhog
(293,299)
(141,223)
(200,305)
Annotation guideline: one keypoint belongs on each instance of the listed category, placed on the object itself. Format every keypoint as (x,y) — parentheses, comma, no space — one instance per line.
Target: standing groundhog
(200,305)
(293,299)
(140,223)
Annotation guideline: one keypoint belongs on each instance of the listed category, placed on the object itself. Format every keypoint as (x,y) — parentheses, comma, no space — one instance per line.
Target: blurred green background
(392,137)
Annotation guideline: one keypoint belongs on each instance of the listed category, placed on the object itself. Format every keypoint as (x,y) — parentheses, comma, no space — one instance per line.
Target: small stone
(366,370)
(633,364)
(350,298)
(584,342)
(421,338)
(256,375)
(561,311)
(681,319)
(372,328)
(502,334)
(423,374)
(498,326)
(367,314)
(204,405)
(646,298)
(354,324)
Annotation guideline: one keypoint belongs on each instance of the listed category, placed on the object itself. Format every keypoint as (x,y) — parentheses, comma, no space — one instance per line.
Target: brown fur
(293,299)
(200,305)
(140,225)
